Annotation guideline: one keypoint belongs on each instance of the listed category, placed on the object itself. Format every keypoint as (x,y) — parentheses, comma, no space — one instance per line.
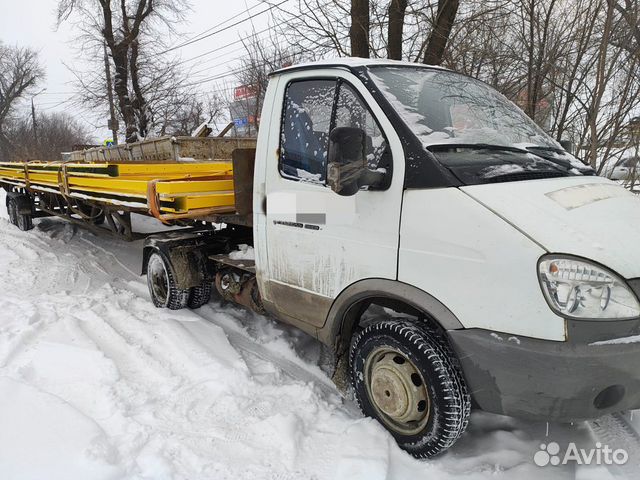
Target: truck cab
(444,248)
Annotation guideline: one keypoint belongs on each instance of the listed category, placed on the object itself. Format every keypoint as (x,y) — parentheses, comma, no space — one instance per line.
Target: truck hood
(590,217)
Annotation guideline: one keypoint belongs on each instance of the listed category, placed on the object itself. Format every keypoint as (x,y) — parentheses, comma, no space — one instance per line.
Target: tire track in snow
(216,422)
(618,432)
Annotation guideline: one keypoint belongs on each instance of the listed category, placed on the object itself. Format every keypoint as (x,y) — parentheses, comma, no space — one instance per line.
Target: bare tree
(184,116)
(20,72)
(629,11)
(437,42)
(262,57)
(57,132)
(396,13)
(359,31)
(163,83)
(369,28)
(123,26)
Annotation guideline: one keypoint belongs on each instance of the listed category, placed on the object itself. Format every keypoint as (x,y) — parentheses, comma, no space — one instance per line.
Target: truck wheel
(407,378)
(200,295)
(23,221)
(162,285)
(12,211)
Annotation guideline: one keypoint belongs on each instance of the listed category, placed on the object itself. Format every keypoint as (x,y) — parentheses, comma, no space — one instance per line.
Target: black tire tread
(200,295)
(177,298)
(435,349)
(22,221)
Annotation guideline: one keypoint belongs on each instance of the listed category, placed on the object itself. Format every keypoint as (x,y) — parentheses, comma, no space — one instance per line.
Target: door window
(351,111)
(307,120)
(306,123)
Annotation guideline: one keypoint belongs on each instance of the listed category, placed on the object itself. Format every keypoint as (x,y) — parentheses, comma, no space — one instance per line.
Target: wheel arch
(347,309)
(186,260)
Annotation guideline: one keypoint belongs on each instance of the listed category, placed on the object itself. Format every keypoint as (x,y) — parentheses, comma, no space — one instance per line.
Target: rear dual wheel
(200,295)
(164,291)
(162,285)
(23,221)
(406,376)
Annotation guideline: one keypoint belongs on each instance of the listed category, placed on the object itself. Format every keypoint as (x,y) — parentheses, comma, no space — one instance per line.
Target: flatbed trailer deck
(106,185)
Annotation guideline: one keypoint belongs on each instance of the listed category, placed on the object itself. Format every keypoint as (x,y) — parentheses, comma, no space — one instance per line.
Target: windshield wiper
(524,175)
(476,146)
(568,164)
(542,148)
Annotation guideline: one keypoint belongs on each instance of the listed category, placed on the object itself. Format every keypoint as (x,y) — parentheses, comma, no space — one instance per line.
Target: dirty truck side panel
(317,242)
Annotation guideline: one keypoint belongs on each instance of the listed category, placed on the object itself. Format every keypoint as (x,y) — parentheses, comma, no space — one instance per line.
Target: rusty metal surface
(300,304)
(241,288)
(244,160)
(246,265)
(169,149)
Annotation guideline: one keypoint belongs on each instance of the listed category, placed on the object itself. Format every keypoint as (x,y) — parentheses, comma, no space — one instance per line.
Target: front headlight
(579,289)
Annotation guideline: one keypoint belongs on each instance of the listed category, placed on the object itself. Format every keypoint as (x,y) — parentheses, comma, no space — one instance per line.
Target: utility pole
(35,121)
(113,122)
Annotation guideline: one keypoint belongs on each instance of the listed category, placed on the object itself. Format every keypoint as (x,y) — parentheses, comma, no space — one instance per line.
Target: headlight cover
(576,288)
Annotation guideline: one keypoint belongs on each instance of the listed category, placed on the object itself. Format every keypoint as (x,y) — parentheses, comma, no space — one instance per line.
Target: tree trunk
(437,42)
(121,87)
(601,82)
(359,31)
(139,103)
(397,9)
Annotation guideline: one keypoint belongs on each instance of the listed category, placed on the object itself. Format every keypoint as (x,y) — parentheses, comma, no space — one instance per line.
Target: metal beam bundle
(174,190)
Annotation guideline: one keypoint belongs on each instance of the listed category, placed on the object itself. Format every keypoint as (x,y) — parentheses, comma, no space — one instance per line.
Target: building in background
(245,111)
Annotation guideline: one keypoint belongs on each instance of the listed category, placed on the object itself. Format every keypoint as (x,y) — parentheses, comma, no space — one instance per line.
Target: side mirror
(347,159)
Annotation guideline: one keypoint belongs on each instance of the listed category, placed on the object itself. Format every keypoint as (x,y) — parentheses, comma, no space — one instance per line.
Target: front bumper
(546,380)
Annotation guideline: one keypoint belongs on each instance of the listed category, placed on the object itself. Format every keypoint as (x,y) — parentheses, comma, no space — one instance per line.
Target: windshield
(445,107)
(472,129)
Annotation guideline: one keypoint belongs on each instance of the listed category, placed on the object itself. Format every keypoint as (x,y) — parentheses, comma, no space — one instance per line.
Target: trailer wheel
(162,286)
(200,295)
(12,211)
(407,377)
(23,221)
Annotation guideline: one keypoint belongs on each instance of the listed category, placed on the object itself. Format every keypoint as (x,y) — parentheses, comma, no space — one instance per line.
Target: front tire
(162,286)
(406,376)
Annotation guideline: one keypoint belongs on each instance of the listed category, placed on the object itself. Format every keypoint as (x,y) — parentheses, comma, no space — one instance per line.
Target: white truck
(441,245)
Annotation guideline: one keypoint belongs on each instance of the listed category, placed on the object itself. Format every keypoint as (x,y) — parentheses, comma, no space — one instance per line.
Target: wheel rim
(397,391)
(158,279)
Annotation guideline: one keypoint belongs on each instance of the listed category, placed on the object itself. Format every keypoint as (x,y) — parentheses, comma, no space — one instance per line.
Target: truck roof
(353,62)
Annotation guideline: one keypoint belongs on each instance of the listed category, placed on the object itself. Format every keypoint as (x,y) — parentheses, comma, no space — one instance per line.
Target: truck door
(318,242)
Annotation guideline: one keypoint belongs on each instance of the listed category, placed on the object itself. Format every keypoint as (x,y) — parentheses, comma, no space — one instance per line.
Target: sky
(33,23)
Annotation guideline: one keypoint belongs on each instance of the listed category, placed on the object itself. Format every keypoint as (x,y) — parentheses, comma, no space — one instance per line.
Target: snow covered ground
(95,383)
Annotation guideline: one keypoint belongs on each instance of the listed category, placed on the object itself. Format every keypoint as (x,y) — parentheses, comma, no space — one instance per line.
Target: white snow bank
(44,437)
(96,383)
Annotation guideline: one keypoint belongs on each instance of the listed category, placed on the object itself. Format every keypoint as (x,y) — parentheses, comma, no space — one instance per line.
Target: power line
(249,18)
(260,2)
(241,40)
